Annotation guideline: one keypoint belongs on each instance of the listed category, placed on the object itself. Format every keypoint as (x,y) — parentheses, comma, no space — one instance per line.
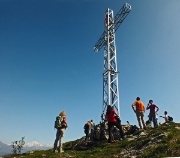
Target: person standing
(112,116)
(92,130)
(87,129)
(153,110)
(60,125)
(140,110)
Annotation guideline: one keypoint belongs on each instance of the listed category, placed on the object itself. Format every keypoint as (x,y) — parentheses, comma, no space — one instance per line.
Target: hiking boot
(61,151)
(55,151)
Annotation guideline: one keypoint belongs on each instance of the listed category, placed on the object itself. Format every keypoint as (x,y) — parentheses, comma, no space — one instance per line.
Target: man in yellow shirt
(140,110)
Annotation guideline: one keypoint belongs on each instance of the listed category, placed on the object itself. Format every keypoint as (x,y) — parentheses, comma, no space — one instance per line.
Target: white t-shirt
(166,118)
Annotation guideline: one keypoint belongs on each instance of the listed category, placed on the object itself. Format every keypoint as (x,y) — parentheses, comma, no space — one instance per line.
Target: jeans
(152,117)
(59,136)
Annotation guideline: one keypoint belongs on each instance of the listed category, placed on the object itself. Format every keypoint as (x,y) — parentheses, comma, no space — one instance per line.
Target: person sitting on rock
(166,118)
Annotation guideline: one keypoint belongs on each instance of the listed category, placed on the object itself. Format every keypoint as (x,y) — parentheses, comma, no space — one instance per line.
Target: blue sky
(47,63)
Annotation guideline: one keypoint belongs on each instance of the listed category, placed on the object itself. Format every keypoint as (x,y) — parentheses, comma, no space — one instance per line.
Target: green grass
(169,146)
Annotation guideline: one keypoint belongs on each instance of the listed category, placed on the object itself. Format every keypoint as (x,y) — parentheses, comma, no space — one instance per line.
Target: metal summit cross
(110,74)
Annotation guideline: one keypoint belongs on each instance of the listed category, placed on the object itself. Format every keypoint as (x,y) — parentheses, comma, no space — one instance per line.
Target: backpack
(170,118)
(86,126)
(134,128)
(57,123)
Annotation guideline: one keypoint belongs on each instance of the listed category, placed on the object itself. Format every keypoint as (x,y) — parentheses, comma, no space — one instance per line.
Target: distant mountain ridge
(34,145)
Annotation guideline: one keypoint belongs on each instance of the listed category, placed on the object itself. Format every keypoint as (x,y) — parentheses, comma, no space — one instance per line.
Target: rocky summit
(163,141)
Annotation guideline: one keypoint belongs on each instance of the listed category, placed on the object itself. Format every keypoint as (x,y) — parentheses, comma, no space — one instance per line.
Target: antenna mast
(110,74)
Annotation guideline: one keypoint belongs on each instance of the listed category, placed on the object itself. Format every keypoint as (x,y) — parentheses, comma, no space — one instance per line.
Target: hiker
(152,114)
(140,110)
(113,120)
(102,130)
(166,117)
(86,130)
(157,118)
(92,130)
(132,128)
(60,125)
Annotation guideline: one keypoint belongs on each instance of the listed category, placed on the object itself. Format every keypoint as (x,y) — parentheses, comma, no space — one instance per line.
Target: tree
(18,146)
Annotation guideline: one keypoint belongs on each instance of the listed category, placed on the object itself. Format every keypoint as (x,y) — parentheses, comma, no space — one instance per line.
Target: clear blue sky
(47,63)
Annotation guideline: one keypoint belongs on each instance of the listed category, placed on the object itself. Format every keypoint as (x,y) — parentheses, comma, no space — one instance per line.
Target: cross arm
(100,42)
(115,23)
(121,15)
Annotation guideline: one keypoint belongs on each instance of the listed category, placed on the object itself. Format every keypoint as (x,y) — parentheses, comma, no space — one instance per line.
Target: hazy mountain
(34,145)
(5,149)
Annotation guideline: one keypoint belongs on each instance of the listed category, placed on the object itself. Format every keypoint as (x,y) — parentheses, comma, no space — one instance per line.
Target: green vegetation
(18,146)
(163,141)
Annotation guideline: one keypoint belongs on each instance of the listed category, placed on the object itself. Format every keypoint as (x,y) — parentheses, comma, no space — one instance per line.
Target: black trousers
(118,125)
(86,131)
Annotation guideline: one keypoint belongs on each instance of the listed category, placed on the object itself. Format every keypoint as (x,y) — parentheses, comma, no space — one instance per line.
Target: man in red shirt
(112,116)
(152,114)
(140,110)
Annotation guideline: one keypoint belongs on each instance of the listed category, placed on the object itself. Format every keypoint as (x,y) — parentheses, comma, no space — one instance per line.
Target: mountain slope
(163,141)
